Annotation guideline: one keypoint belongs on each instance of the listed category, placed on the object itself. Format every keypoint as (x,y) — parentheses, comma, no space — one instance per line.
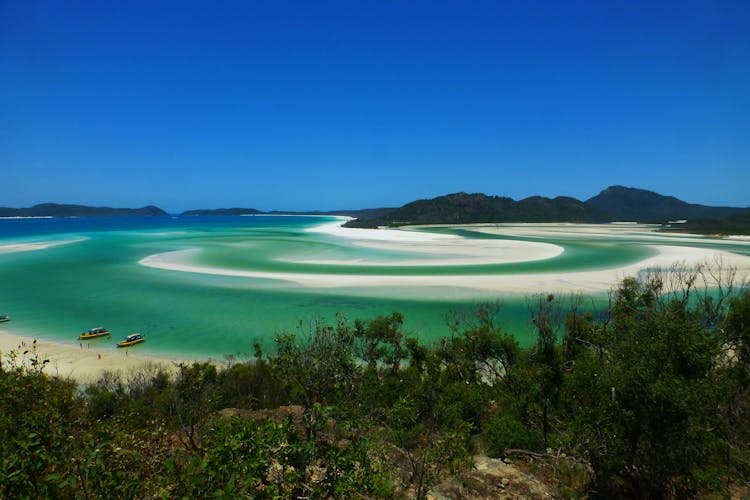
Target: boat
(4,318)
(132,339)
(94,333)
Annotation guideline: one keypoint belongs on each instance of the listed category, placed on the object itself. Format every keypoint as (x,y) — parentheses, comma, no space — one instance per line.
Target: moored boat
(132,339)
(94,333)
(4,318)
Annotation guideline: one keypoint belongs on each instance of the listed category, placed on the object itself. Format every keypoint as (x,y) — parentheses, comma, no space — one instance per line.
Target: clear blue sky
(331,105)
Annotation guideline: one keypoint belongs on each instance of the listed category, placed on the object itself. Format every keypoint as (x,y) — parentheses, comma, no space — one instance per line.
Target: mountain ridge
(69,210)
(614,203)
(648,206)
(364,212)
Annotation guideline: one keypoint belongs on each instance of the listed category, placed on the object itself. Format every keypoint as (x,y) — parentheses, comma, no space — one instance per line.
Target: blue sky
(353,104)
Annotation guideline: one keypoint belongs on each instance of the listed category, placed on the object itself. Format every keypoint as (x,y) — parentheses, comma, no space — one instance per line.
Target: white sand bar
(443,248)
(587,281)
(641,232)
(29,247)
(430,249)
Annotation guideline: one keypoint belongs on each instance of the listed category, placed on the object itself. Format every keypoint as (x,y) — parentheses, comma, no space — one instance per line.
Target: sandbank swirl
(438,245)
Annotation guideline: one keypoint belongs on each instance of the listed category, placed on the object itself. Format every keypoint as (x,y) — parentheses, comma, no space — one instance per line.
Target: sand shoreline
(83,363)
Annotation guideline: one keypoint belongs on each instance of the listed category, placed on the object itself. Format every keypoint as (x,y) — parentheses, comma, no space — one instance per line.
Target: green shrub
(505,432)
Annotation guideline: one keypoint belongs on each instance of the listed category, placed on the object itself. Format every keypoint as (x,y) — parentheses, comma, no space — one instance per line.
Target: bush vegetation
(651,395)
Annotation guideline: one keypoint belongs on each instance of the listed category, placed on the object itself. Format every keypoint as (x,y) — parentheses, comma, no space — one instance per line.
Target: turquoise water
(95,280)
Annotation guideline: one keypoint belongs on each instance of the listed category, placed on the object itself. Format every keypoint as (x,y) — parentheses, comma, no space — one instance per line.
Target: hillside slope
(63,210)
(632,204)
(464,208)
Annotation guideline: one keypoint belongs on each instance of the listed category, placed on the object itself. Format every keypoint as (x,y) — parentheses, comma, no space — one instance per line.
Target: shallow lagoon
(93,279)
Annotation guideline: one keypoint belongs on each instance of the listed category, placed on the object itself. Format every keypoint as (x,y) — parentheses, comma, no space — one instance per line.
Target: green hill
(463,208)
(632,204)
(62,210)
(615,203)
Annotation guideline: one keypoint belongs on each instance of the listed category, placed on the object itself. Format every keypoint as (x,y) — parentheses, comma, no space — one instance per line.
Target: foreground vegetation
(648,398)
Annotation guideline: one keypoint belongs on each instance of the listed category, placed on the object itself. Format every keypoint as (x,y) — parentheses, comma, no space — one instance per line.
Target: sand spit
(29,247)
(431,249)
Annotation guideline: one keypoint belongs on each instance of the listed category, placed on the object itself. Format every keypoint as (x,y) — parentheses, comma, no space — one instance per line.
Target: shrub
(505,432)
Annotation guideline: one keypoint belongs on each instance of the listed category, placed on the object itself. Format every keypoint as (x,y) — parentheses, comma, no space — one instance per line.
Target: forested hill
(615,203)
(623,203)
(61,210)
(460,208)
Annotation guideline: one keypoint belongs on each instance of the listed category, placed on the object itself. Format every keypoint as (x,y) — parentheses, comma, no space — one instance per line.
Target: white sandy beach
(476,251)
(81,364)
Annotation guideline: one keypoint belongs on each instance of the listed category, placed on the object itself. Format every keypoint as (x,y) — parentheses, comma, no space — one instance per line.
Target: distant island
(632,204)
(615,203)
(61,210)
(222,211)
(357,213)
(463,208)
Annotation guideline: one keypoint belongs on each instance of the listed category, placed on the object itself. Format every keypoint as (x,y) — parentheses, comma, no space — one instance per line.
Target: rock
(491,478)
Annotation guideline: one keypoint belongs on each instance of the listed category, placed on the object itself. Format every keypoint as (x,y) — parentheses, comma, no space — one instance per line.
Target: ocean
(59,277)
